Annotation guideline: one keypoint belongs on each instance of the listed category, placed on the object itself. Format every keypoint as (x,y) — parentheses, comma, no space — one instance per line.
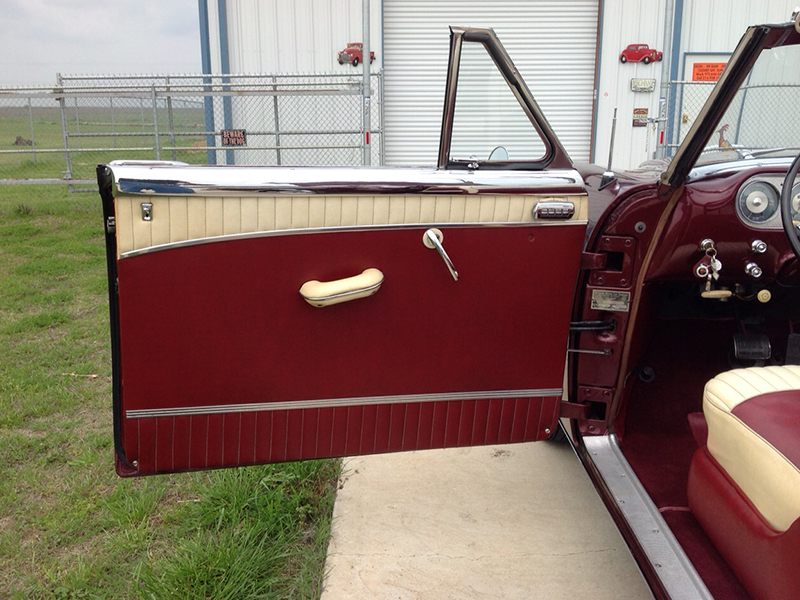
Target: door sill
(663,557)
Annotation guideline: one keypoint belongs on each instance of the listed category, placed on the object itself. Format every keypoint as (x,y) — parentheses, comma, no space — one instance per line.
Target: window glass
(489,124)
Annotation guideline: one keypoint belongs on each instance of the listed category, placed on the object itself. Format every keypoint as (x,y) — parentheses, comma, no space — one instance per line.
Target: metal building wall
(292,36)
(717,25)
(552,43)
(706,30)
(625,22)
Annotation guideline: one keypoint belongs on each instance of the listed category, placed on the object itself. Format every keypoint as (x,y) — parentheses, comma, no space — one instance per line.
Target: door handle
(433,238)
(327,293)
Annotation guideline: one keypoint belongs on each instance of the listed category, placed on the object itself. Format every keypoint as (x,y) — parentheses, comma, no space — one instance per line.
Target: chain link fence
(761,115)
(687,100)
(65,131)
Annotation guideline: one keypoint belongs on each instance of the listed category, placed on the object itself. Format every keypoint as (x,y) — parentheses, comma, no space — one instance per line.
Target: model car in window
(640,53)
(265,314)
(354,54)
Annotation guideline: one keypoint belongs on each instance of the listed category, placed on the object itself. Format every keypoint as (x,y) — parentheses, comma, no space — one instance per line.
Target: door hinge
(111,225)
(602,325)
(593,260)
(573,410)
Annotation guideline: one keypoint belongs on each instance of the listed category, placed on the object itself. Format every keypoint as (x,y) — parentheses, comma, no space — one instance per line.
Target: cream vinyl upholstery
(767,477)
(196,217)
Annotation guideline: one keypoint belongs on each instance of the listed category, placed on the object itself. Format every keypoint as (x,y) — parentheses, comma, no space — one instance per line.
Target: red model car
(353,54)
(640,53)
(266,314)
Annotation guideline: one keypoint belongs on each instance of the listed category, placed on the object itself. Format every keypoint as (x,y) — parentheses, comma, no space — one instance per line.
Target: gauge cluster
(758,202)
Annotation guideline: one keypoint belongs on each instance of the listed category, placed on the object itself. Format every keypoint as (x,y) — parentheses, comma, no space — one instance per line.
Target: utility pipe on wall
(208,102)
(365,85)
(225,67)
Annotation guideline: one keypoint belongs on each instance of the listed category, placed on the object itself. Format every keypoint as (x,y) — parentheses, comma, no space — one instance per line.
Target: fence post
(113,127)
(277,121)
(77,123)
(170,119)
(155,122)
(30,120)
(67,174)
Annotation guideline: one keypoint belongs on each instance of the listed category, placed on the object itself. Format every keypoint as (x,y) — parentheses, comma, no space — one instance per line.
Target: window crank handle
(433,239)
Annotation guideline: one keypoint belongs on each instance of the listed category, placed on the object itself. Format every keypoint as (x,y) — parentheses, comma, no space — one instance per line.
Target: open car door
(265,314)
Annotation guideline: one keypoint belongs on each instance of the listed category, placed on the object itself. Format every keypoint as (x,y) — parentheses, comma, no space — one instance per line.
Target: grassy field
(69,528)
(133,127)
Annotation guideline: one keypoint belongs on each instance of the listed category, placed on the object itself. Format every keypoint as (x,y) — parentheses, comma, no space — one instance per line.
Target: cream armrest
(326,293)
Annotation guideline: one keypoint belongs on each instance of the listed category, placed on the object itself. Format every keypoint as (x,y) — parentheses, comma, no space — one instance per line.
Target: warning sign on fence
(234,137)
(707,71)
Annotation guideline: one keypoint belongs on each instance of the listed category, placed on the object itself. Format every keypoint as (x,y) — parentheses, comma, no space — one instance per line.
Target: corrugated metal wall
(717,25)
(553,44)
(297,36)
(626,23)
(710,27)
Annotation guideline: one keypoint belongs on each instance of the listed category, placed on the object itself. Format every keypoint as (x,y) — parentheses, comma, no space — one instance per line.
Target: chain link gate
(64,132)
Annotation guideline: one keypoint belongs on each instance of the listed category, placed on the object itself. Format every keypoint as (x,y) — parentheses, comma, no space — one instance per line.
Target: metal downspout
(669,18)
(597,66)
(365,85)
(677,30)
(225,67)
(208,102)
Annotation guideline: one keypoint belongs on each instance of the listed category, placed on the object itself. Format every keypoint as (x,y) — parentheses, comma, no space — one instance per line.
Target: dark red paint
(223,323)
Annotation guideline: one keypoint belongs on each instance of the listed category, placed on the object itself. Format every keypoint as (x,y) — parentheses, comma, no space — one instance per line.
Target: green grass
(88,152)
(69,527)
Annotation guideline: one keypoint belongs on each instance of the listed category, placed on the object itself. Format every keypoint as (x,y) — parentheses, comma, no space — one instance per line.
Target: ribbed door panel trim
(168,444)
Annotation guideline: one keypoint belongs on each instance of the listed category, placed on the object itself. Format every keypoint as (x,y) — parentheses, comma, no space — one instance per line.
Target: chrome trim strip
(172,179)
(310,230)
(659,543)
(145,413)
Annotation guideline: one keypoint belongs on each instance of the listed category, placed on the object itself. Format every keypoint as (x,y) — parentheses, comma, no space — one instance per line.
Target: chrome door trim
(154,178)
(312,230)
(219,409)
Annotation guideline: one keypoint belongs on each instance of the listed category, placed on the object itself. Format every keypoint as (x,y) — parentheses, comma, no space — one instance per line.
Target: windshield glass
(762,119)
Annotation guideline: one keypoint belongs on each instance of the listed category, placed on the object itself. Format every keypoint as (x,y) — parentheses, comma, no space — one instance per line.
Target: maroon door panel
(223,363)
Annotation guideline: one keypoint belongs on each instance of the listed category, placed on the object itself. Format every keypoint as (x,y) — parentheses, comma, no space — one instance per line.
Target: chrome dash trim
(663,551)
(312,230)
(219,409)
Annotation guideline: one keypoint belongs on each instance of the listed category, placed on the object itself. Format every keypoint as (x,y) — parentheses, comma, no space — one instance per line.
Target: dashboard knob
(753,270)
(758,246)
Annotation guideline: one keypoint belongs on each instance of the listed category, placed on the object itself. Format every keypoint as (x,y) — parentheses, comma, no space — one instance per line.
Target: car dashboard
(734,209)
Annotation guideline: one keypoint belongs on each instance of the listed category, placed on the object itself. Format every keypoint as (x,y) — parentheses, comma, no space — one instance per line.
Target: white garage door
(552,43)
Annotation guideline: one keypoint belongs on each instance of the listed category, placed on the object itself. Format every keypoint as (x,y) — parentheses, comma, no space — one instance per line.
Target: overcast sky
(39,38)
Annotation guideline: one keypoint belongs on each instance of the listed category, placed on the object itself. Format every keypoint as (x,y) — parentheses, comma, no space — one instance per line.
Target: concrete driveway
(516,521)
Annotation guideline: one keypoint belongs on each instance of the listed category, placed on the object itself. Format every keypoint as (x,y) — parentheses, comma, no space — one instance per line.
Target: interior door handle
(326,293)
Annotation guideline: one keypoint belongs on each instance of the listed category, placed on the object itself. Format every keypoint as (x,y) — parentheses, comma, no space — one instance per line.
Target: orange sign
(707,71)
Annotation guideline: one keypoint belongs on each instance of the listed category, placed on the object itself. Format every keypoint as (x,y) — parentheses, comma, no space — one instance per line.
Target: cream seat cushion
(769,478)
